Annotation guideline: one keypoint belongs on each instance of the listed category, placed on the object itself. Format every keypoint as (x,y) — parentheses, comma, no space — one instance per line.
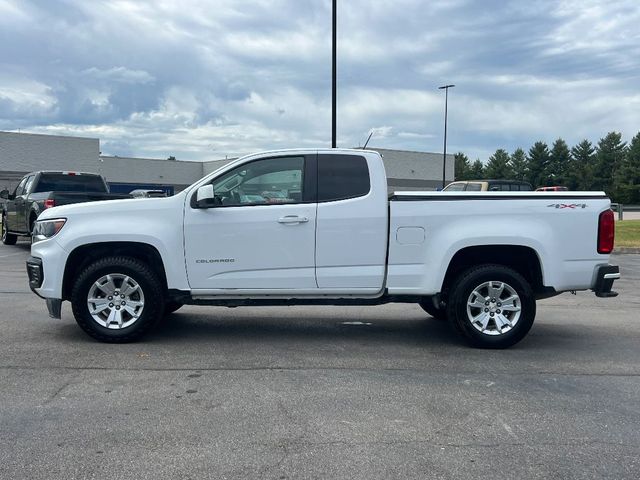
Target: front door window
(265,182)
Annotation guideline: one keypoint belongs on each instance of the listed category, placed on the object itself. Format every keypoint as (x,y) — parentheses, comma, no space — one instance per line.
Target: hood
(111,207)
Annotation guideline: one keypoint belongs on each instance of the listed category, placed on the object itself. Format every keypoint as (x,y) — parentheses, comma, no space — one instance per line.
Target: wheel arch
(522,259)
(83,255)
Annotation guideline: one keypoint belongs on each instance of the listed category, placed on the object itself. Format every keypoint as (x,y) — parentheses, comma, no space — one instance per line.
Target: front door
(261,234)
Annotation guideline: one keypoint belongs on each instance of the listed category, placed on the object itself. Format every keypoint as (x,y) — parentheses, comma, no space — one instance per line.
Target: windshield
(454,187)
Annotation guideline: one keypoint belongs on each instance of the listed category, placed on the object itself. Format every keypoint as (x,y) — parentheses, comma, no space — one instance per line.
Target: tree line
(612,165)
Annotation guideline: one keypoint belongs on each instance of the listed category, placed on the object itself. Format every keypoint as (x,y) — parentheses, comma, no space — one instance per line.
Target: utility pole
(444,154)
(334,74)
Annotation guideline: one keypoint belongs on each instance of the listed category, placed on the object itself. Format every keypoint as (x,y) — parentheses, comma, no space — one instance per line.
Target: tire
(481,291)
(428,305)
(172,306)
(7,238)
(140,292)
(32,223)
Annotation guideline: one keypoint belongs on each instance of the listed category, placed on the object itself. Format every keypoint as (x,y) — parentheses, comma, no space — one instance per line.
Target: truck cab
(324,232)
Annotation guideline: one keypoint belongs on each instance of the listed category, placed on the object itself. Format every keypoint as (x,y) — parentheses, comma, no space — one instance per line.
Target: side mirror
(205,197)
(4,194)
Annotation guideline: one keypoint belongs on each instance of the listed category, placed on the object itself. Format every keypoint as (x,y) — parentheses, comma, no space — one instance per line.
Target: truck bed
(428,228)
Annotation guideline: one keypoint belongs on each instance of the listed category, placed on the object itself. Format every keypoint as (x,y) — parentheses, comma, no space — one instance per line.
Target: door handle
(292,219)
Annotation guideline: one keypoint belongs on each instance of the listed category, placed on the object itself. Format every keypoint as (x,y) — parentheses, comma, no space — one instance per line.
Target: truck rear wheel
(7,238)
(493,306)
(117,299)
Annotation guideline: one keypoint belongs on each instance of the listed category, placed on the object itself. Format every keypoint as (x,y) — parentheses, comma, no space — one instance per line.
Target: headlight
(44,229)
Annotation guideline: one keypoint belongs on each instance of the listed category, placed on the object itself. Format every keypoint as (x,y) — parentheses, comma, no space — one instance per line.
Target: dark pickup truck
(38,191)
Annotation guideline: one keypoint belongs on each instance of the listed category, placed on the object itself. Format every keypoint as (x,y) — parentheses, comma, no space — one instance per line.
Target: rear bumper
(605,276)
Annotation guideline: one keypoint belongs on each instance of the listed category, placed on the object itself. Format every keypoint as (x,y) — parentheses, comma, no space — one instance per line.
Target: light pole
(334,72)
(444,154)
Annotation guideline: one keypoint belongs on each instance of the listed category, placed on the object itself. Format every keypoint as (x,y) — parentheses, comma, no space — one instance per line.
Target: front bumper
(36,278)
(52,259)
(54,307)
(605,276)
(35,273)
(45,269)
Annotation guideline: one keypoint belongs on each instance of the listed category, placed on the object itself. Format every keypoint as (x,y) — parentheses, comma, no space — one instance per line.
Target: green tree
(519,164)
(538,159)
(498,166)
(609,155)
(477,170)
(462,166)
(627,176)
(580,171)
(558,165)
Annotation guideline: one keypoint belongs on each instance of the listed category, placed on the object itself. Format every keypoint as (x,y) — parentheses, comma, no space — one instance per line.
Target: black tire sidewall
(7,238)
(140,273)
(171,306)
(472,278)
(427,305)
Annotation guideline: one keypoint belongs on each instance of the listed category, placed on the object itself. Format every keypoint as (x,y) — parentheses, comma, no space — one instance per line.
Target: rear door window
(27,187)
(20,188)
(474,187)
(341,177)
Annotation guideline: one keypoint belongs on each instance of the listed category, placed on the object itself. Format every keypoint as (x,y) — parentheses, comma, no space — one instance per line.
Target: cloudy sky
(203,79)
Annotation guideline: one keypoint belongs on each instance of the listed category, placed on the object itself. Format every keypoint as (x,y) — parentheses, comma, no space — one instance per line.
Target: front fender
(160,228)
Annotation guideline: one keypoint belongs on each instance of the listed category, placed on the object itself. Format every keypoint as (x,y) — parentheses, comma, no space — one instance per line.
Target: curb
(621,250)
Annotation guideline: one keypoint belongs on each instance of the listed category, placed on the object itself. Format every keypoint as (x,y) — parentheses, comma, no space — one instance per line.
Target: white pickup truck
(310,227)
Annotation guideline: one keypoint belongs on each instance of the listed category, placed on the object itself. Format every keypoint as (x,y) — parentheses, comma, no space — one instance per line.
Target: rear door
(351,237)
(24,211)
(15,205)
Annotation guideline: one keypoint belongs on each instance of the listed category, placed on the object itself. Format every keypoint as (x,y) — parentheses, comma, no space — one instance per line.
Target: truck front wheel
(117,299)
(493,306)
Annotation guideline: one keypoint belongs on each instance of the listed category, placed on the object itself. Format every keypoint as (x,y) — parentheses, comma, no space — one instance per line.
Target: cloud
(119,75)
(204,80)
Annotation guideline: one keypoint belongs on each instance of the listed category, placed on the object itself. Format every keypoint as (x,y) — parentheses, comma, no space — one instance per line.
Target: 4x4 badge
(568,205)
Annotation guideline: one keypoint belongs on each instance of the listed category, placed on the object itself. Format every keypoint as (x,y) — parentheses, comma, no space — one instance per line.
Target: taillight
(606,232)
(50,202)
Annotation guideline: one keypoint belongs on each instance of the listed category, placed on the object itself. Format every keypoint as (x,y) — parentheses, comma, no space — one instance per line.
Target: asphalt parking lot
(296,393)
